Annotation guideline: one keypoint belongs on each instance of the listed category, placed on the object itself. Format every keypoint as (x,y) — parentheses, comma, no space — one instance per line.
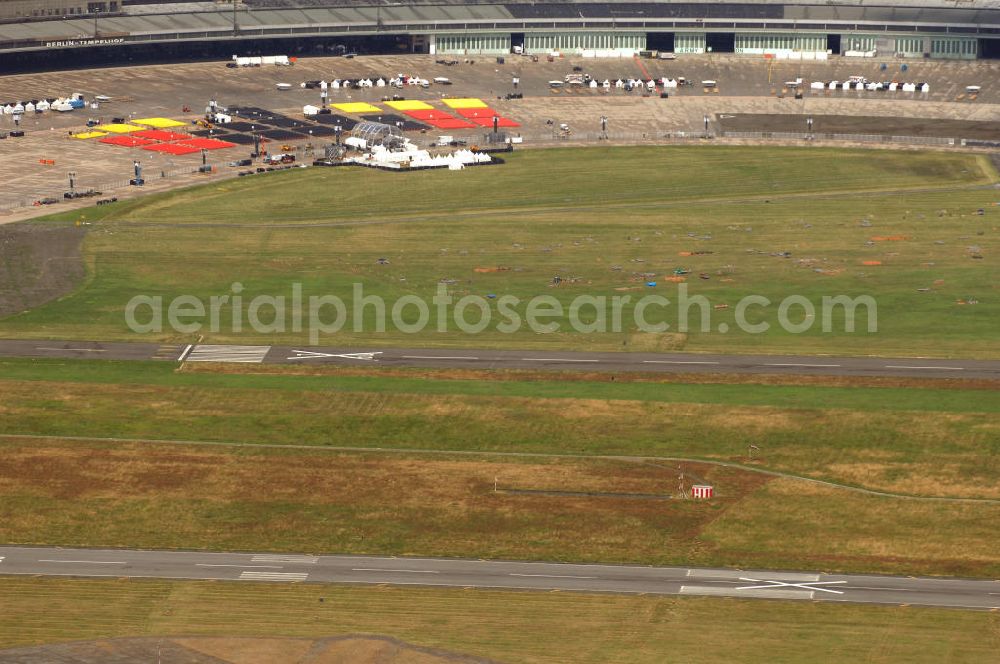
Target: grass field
(923,441)
(77,493)
(605,220)
(505,626)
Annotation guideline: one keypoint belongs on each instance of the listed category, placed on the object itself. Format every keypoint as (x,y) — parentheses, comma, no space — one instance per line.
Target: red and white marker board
(702,491)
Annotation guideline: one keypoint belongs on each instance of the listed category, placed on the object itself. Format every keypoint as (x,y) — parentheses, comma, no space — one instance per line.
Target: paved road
(512,359)
(622,579)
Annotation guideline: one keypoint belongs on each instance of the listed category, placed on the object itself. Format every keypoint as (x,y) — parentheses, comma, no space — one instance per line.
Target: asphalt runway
(524,576)
(511,359)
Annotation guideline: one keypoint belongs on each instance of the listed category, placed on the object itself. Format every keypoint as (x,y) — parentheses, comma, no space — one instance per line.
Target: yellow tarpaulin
(409,105)
(118,128)
(465,103)
(357,107)
(90,134)
(159,123)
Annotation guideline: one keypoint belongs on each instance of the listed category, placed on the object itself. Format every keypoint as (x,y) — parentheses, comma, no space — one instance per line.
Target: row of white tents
(411,156)
(393,82)
(626,84)
(62,104)
(871,86)
(258,61)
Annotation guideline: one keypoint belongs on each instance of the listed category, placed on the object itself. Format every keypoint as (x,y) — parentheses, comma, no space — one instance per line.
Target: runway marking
(313,355)
(734,592)
(408,571)
(233,565)
(273,576)
(79,350)
(677,362)
(554,576)
(807,585)
(279,558)
(798,364)
(184,354)
(552,359)
(88,562)
(892,366)
(439,357)
(735,575)
(222,353)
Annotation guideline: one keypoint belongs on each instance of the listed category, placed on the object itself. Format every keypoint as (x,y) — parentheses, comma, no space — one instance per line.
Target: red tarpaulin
(484,117)
(208,143)
(160,135)
(127,141)
(172,148)
(488,122)
(440,119)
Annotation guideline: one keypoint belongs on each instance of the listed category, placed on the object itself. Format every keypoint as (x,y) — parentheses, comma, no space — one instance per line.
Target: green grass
(574,178)
(582,214)
(921,441)
(506,626)
(863,399)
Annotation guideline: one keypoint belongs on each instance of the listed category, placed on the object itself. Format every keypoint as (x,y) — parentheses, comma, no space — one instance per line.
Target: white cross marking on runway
(313,355)
(806,585)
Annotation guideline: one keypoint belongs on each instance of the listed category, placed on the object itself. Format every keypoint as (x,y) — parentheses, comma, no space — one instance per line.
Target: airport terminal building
(795,29)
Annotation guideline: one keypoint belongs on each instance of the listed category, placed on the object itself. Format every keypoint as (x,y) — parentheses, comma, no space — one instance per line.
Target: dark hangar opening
(720,42)
(989,49)
(660,41)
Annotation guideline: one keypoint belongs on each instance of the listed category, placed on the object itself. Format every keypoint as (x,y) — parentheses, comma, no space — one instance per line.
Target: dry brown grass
(139,470)
(162,496)
(159,495)
(250,651)
(917,479)
(885,533)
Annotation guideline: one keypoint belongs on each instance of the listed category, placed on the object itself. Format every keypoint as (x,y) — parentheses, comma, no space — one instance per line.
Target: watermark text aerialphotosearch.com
(328,314)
